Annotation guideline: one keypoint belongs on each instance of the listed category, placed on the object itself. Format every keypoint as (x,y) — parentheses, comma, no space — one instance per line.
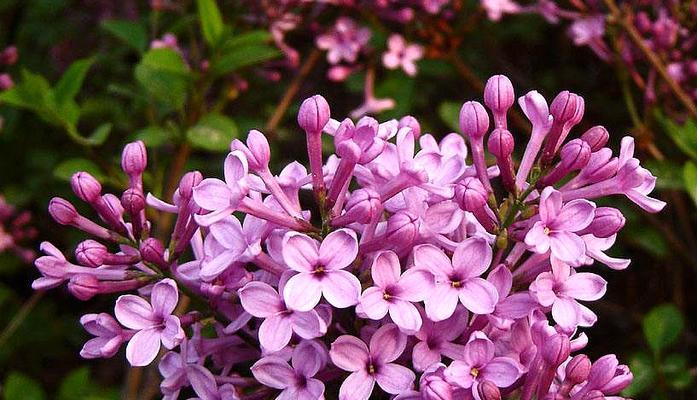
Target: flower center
(371,369)
(474,372)
(319,270)
(456,283)
(546,231)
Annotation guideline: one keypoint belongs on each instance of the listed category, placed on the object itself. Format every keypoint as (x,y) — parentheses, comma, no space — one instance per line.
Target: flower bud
(563,107)
(602,370)
(596,137)
(83,286)
(62,211)
(474,121)
(501,143)
(535,108)
(498,94)
(607,222)
(411,122)
(487,390)
(133,201)
(434,387)
(188,182)
(134,158)
(314,114)
(6,82)
(86,187)
(578,368)
(594,395)
(555,349)
(152,251)
(470,194)
(91,253)
(575,155)
(256,150)
(361,207)
(9,56)
(623,378)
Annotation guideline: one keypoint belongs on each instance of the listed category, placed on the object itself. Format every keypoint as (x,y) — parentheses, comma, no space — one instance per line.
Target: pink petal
(313,390)
(213,267)
(300,252)
(444,217)
(472,257)
(566,313)
(134,312)
(502,371)
(432,259)
(357,386)
(273,372)
(338,250)
(390,60)
(574,216)
(587,316)
(341,288)
(302,292)
(537,239)
(172,334)
(202,381)
(386,269)
(516,306)
(415,284)
(260,299)
(567,247)
(387,343)
(394,379)
(478,352)
(550,204)
(164,297)
(275,332)
(374,304)
(143,347)
(349,353)
(309,357)
(228,232)
(502,279)
(478,296)
(441,302)
(405,315)
(307,325)
(422,357)
(235,167)
(212,194)
(585,286)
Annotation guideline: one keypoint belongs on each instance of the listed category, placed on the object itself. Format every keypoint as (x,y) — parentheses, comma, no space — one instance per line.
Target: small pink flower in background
(372,364)
(296,382)
(321,270)
(154,322)
(589,31)
(401,54)
(560,289)
(6,82)
(495,9)
(345,41)
(557,226)
(168,41)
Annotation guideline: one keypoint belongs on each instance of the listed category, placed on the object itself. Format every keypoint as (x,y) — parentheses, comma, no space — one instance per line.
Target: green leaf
(211,21)
(449,112)
(242,56)
(165,77)
(644,375)
(684,136)
(100,134)
(214,132)
(70,83)
(78,385)
(689,175)
(154,136)
(21,387)
(677,372)
(131,33)
(662,326)
(67,168)
(668,174)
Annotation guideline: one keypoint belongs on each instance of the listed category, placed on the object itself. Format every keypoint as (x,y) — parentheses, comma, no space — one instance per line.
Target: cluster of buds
(15,231)
(414,273)
(8,57)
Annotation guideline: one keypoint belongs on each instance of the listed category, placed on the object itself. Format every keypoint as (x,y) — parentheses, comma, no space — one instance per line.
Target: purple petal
(260,299)
(478,296)
(432,259)
(444,217)
(415,284)
(537,239)
(309,357)
(273,372)
(422,357)
(313,390)
(479,351)
(143,347)
(164,297)
(374,304)
(228,232)
(502,371)
(574,216)
(338,250)
(275,332)
(516,306)
(441,302)
(394,378)
(472,257)
(172,334)
(300,252)
(357,386)
(550,204)
(211,268)
(566,312)
(567,247)
(585,286)
(387,344)
(586,316)
(502,279)
(235,167)
(405,315)
(202,381)
(341,288)
(307,325)
(134,312)
(349,353)
(386,269)
(302,292)
(212,194)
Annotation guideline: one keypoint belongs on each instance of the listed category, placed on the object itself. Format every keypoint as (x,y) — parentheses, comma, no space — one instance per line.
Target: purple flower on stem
(296,382)
(560,289)
(557,226)
(109,336)
(394,293)
(374,364)
(458,279)
(321,270)
(344,42)
(437,339)
(401,54)
(223,197)
(154,322)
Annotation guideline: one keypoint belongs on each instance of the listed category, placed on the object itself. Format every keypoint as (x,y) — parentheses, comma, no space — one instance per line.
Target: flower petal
(574,216)
(341,288)
(478,351)
(405,315)
(472,257)
(349,353)
(415,284)
(212,194)
(432,259)
(585,286)
(441,302)
(134,312)
(478,296)
(273,372)
(357,386)
(423,357)
(275,332)
(374,304)
(143,347)
(300,252)
(260,299)
(338,250)
(307,325)
(387,343)
(386,269)
(164,297)
(566,312)
(395,379)
(302,292)
(502,371)
(567,246)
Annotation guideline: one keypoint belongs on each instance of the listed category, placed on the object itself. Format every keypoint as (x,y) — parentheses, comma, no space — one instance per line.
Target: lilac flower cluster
(15,231)
(413,273)
(663,26)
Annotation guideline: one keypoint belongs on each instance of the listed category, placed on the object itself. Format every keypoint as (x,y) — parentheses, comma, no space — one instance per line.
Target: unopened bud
(62,211)
(470,194)
(412,123)
(487,390)
(256,149)
(563,107)
(133,201)
(152,251)
(91,253)
(474,121)
(575,155)
(596,137)
(607,222)
(134,158)
(83,286)
(578,368)
(314,114)
(86,187)
(498,94)
(501,143)
(556,349)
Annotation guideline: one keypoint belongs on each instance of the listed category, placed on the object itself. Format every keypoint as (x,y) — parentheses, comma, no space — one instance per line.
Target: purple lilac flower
(401,54)
(345,41)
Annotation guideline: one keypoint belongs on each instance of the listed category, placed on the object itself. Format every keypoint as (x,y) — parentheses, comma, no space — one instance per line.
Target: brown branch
(20,316)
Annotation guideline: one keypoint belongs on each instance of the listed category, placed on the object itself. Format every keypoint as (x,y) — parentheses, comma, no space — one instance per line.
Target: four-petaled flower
(154,322)
(296,382)
(401,54)
(222,198)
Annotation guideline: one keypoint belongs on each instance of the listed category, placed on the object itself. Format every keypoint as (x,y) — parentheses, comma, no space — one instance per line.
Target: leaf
(70,83)
(241,39)
(154,136)
(449,112)
(677,372)
(78,385)
(211,21)
(100,134)
(165,77)
(21,387)
(242,56)
(131,33)
(662,326)
(689,176)
(644,375)
(684,136)
(668,174)
(67,168)
(214,132)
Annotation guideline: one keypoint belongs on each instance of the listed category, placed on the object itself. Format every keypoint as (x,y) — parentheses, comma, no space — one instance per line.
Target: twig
(21,315)
(291,91)
(651,56)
